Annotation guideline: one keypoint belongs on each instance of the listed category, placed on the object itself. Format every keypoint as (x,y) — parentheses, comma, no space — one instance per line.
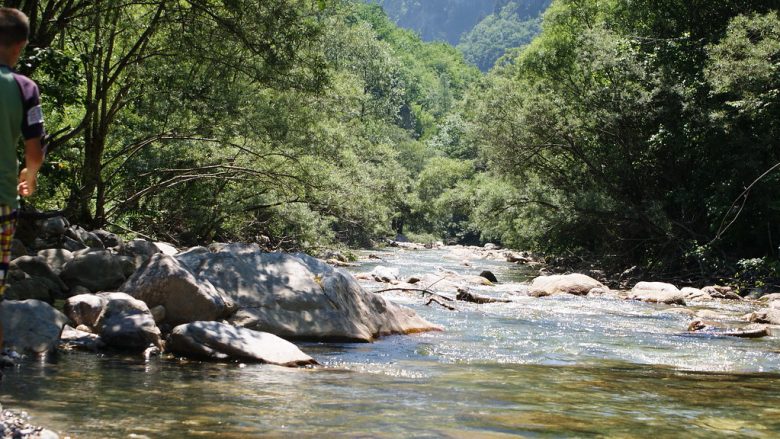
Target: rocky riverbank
(703,305)
(132,296)
(227,302)
(16,425)
(237,302)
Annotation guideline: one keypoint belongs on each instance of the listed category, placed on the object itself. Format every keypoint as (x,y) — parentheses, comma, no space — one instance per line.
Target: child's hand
(26,185)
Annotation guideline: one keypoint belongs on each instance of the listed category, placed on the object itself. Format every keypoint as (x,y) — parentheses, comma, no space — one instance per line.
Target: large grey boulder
(223,342)
(109,239)
(128,265)
(54,227)
(84,309)
(386,274)
(126,323)
(192,257)
(140,250)
(56,258)
(31,325)
(30,288)
(767,315)
(166,248)
(721,292)
(695,294)
(163,280)
(72,338)
(657,292)
(93,241)
(36,266)
(97,270)
(576,284)
(18,249)
(89,239)
(71,244)
(300,297)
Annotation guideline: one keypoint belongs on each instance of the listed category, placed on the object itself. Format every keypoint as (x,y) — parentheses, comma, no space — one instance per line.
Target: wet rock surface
(575,284)
(221,341)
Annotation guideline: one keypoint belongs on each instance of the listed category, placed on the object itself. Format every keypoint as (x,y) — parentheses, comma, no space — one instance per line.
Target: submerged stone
(221,341)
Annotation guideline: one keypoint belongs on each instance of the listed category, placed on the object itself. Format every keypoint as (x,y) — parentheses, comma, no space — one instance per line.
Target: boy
(20,116)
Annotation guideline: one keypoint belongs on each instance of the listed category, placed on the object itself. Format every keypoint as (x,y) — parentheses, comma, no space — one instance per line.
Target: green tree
(609,113)
(490,39)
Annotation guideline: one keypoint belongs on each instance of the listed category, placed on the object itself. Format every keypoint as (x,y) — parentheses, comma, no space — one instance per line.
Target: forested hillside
(639,133)
(483,29)
(512,26)
(438,20)
(194,122)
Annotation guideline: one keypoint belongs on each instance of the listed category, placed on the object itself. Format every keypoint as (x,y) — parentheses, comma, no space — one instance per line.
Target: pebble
(16,425)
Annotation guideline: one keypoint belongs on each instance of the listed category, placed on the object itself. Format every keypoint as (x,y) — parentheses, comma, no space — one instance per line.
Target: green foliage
(290,119)
(638,131)
(442,20)
(632,130)
(490,39)
(757,273)
(435,75)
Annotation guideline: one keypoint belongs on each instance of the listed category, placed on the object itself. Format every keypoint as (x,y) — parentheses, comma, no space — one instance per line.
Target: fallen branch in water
(435,300)
(418,290)
(466,296)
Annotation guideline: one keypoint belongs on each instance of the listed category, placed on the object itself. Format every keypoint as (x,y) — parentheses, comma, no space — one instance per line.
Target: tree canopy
(637,132)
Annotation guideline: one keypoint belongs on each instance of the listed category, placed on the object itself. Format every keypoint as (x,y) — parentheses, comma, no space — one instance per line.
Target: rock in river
(657,292)
(386,274)
(84,309)
(31,325)
(489,276)
(222,341)
(164,280)
(126,323)
(300,297)
(767,315)
(577,284)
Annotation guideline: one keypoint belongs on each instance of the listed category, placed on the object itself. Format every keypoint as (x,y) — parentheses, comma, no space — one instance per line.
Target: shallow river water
(548,367)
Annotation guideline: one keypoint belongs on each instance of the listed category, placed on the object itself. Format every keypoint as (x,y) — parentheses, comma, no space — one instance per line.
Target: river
(534,367)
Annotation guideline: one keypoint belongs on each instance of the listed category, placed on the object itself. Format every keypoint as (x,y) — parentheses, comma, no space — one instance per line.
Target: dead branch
(434,300)
(466,296)
(743,196)
(419,290)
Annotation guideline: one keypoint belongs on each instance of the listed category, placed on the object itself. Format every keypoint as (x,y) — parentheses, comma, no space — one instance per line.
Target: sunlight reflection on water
(561,366)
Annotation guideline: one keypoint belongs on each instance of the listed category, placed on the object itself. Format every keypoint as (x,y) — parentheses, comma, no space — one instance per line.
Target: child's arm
(33,133)
(33,158)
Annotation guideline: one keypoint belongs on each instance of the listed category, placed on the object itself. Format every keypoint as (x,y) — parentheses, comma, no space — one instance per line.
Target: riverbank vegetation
(642,134)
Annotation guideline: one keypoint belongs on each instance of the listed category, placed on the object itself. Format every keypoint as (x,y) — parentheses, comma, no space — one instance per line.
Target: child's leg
(7,229)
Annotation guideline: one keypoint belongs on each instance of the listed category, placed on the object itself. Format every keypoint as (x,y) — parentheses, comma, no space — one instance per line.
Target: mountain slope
(444,20)
(483,29)
(515,25)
